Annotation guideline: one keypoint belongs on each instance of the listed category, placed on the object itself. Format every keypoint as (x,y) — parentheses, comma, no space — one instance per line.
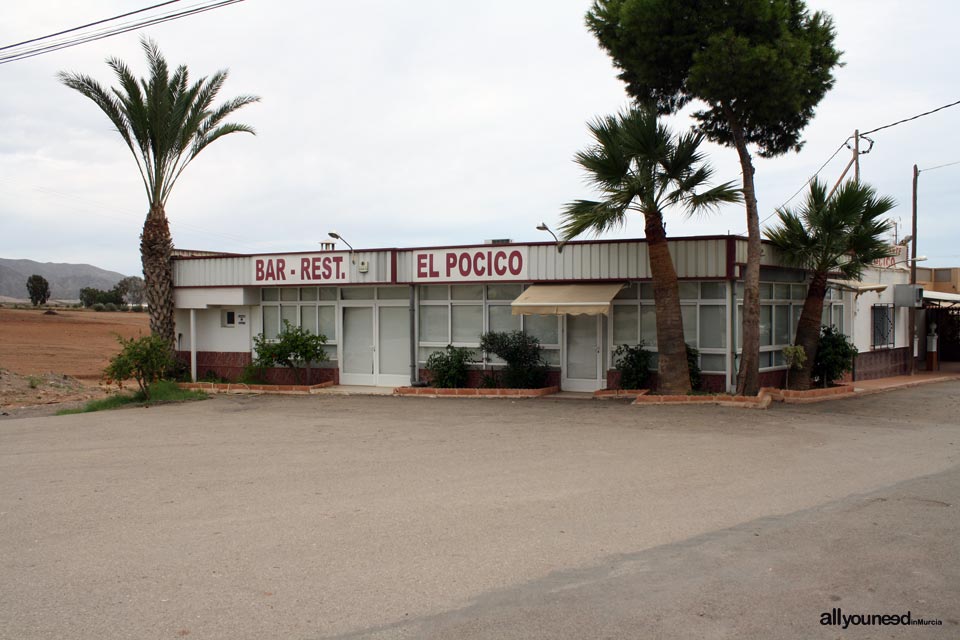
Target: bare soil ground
(46,359)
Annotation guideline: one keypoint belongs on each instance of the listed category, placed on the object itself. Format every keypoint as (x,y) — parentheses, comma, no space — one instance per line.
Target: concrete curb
(259,389)
(434,392)
(760,401)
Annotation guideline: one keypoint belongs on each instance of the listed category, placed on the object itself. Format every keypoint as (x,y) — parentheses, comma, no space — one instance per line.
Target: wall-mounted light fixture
(543,227)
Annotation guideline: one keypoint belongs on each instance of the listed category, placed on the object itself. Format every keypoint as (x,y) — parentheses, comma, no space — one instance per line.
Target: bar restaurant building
(384,311)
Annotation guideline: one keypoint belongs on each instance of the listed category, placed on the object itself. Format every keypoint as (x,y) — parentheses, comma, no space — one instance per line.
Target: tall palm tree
(165,121)
(638,165)
(840,234)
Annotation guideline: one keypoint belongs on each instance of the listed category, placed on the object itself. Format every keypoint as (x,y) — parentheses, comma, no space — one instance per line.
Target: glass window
(425,352)
(837,312)
(503,291)
(797,311)
(327,320)
(798,291)
(629,292)
(433,323)
(544,328)
(289,314)
(738,334)
(502,318)
(328,293)
(289,294)
(308,294)
(716,362)
(308,318)
(781,324)
(356,293)
(766,325)
(778,359)
(646,291)
(626,323)
(270,295)
(551,357)
(883,328)
(739,291)
(434,292)
(781,291)
(689,315)
(467,322)
(689,290)
(766,291)
(825,315)
(466,292)
(713,326)
(271,322)
(648,325)
(712,290)
(393,293)
(331,351)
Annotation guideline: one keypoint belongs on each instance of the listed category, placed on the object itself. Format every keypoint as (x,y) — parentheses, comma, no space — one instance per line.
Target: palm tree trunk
(808,329)
(156,248)
(748,376)
(674,375)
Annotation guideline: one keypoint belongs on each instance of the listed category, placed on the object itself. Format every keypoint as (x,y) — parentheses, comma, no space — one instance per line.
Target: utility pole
(913,275)
(856,155)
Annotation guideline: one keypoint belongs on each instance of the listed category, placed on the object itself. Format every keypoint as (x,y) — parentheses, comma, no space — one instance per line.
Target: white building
(384,311)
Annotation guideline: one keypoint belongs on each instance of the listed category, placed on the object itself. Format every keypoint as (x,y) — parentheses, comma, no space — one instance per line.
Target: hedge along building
(384,311)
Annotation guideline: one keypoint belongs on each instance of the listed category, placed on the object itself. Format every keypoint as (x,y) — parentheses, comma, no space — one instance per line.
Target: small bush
(212,376)
(835,354)
(144,359)
(294,348)
(525,366)
(693,363)
(448,368)
(110,307)
(34,382)
(98,306)
(633,363)
(253,374)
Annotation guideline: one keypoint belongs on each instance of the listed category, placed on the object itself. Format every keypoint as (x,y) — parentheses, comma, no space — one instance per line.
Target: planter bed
(237,387)
(475,393)
(619,393)
(792,396)
(759,401)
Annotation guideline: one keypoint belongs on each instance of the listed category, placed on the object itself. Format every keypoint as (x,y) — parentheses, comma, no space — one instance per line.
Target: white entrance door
(376,345)
(581,359)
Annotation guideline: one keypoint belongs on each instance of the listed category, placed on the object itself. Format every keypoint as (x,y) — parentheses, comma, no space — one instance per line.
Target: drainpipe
(193,345)
(414,371)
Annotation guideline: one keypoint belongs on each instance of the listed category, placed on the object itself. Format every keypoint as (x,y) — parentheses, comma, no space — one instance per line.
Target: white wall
(862,316)
(211,336)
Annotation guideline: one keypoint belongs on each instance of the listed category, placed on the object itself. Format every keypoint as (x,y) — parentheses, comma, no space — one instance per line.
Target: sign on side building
(317,268)
(485,264)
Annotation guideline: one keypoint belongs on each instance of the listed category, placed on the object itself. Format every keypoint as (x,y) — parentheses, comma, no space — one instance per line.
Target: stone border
(619,393)
(793,396)
(760,401)
(435,392)
(236,387)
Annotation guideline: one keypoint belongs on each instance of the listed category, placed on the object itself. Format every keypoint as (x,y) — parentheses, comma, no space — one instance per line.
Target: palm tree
(165,122)
(639,165)
(840,234)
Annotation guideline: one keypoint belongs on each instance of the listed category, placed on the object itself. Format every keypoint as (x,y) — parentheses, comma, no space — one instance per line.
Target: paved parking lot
(370,517)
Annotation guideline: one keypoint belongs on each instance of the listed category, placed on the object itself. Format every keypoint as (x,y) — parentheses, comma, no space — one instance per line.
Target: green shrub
(98,306)
(835,354)
(525,368)
(633,363)
(795,357)
(294,348)
(144,359)
(448,368)
(693,363)
(34,382)
(110,307)
(212,376)
(253,374)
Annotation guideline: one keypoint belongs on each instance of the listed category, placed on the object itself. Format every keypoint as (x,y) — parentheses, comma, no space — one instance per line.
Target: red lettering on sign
(422,265)
(516,263)
(337,262)
(479,268)
(326,268)
(281,269)
(498,266)
(464,264)
(259,270)
(304,268)
(451,262)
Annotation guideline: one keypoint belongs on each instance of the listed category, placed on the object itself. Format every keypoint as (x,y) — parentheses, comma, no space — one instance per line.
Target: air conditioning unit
(908,295)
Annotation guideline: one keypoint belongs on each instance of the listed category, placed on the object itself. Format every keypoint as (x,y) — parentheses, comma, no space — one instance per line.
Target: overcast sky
(423,123)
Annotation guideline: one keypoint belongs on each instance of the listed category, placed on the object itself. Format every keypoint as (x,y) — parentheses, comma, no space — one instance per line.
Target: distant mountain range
(65,280)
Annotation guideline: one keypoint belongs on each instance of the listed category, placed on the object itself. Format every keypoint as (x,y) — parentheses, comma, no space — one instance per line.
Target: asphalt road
(365,517)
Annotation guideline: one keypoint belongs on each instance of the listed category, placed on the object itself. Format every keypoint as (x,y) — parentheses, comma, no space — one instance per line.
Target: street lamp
(337,236)
(543,227)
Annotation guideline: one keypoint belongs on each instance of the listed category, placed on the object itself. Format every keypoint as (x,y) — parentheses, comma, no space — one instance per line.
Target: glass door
(393,346)
(581,360)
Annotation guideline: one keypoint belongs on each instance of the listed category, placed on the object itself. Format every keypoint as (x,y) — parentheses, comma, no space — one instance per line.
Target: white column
(193,344)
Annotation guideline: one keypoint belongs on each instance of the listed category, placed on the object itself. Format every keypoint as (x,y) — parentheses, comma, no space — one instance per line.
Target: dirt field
(37,351)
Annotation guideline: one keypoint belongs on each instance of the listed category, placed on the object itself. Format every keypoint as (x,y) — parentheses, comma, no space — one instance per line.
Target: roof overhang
(561,299)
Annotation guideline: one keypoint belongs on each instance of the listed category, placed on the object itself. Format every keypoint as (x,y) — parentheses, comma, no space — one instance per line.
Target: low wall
(230,365)
(712,382)
(475,377)
(884,363)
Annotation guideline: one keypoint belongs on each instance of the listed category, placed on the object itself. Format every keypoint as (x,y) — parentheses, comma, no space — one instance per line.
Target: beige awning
(559,299)
(858,287)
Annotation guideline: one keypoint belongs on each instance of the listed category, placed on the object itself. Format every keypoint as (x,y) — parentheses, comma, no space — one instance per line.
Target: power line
(940,166)
(919,115)
(105,33)
(90,24)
